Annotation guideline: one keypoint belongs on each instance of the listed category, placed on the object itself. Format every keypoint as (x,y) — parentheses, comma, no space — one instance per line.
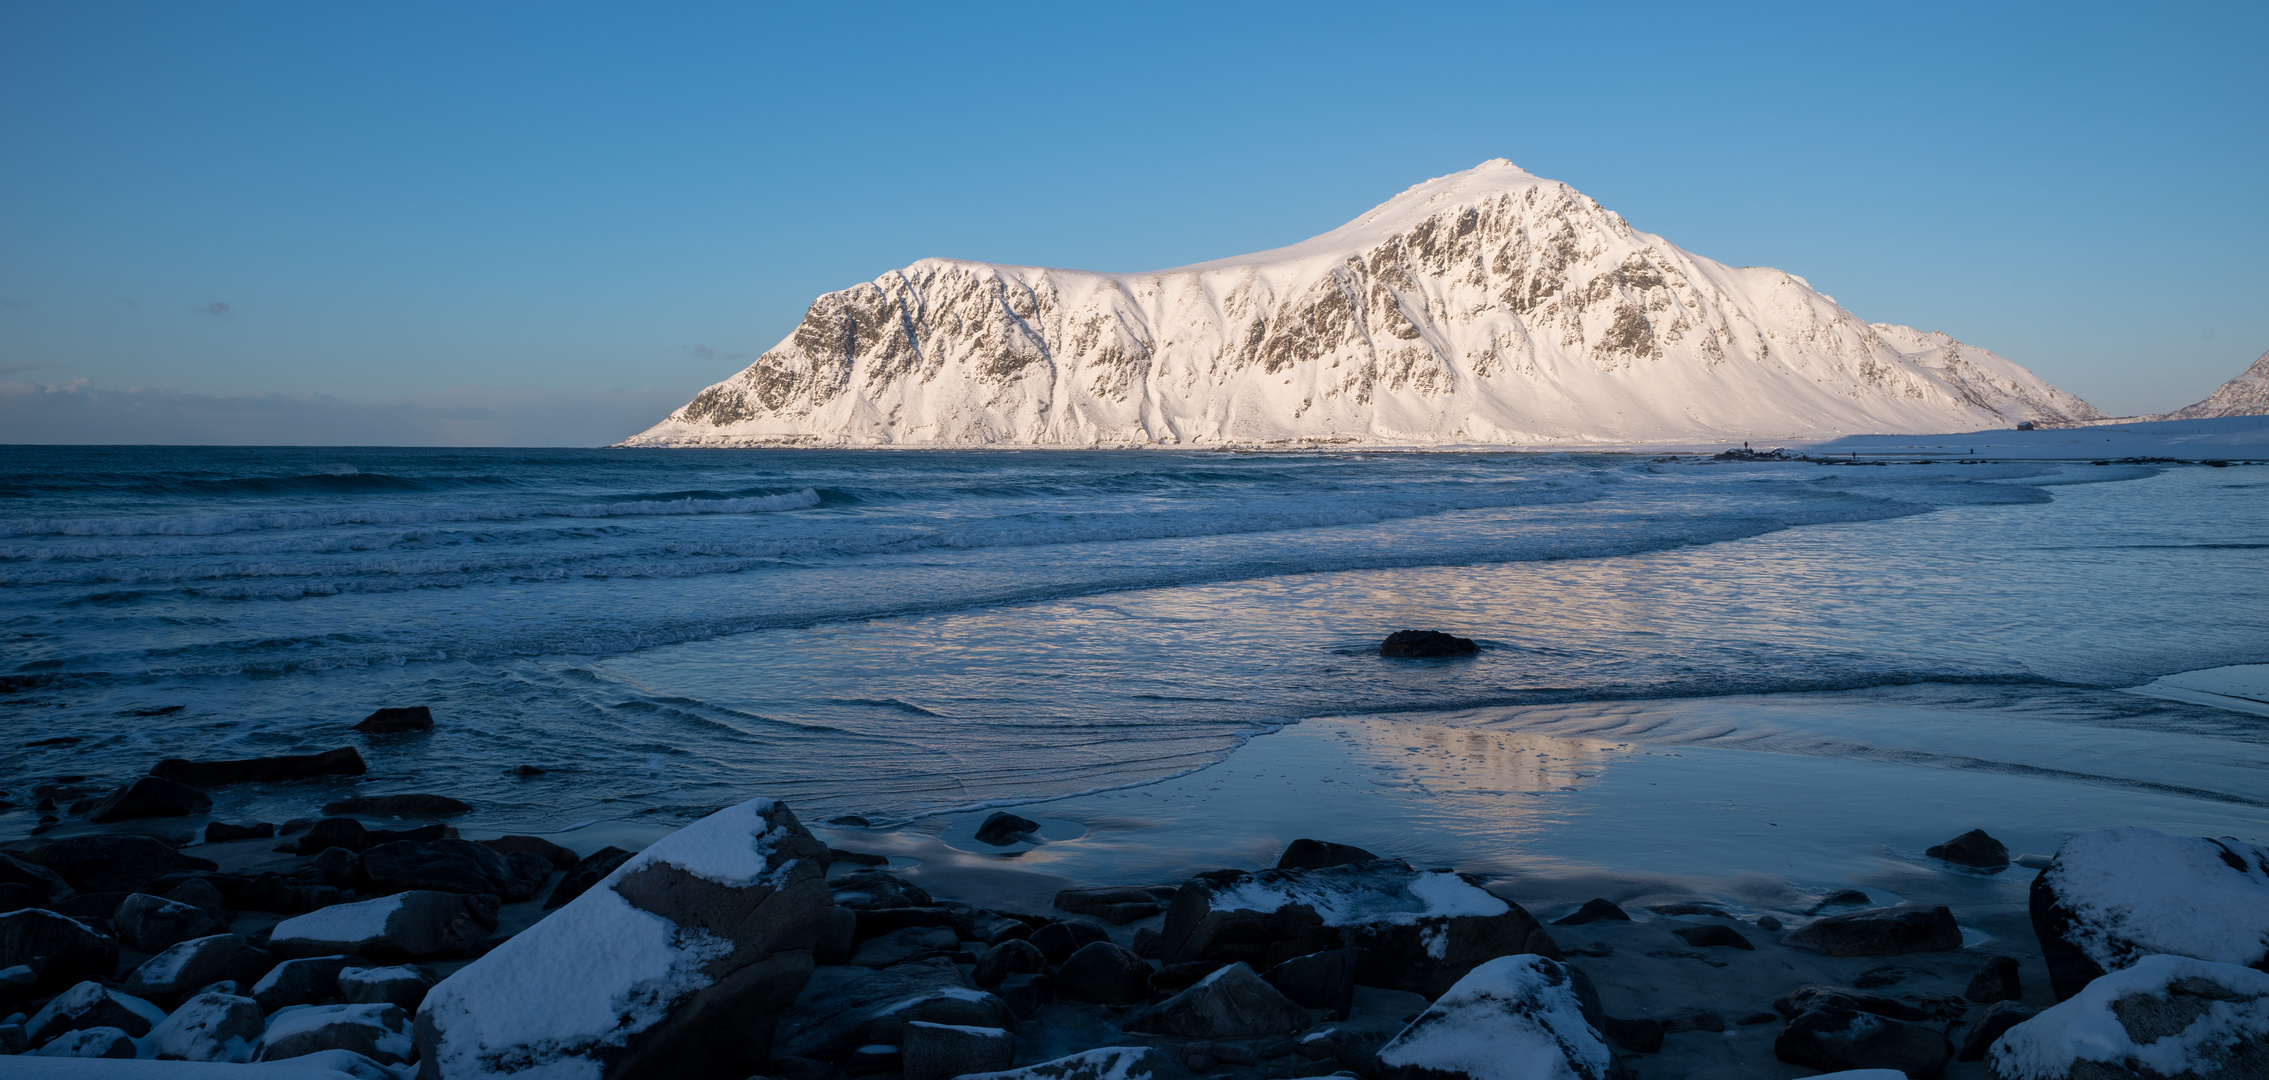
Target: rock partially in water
(1511,1018)
(1012,957)
(344,761)
(1002,828)
(1426,644)
(559,857)
(1974,849)
(1594,910)
(148,797)
(1306,854)
(1057,941)
(1880,932)
(2114,896)
(397,720)
(1115,906)
(1712,935)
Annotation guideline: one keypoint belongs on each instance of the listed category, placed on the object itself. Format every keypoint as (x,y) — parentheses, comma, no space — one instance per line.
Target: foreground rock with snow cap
(676,965)
(1513,1018)
(2159,1018)
(1412,930)
(2114,896)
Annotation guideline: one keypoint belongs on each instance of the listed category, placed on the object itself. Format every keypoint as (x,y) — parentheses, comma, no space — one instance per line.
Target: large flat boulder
(411,925)
(344,761)
(677,964)
(1419,931)
(2113,896)
(2158,1018)
(1512,1018)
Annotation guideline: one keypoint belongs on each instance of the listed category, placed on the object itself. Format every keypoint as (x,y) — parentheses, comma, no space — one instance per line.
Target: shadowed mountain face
(1489,306)
(2246,395)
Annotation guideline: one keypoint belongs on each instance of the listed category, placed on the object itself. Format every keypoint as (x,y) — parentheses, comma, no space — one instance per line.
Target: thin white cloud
(75,413)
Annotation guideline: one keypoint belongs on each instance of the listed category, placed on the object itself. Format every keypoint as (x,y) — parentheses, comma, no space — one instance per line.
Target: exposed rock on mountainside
(1489,306)
(2246,395)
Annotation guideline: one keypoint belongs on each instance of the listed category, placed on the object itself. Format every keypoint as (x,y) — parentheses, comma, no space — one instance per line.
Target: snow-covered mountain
(2246,395)
(1489,306)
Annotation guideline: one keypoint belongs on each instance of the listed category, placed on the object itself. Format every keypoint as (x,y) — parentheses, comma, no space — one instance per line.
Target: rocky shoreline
(743,945)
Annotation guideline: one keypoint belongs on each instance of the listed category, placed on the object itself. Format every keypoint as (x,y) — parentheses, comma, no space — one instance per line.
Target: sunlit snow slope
(2246,395)
(1489,306)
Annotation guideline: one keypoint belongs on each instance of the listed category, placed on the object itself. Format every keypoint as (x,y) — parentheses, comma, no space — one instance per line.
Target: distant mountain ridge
(1490,306)
(2246,395)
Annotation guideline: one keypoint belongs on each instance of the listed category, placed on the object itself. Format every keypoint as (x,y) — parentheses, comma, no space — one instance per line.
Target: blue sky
(550,223)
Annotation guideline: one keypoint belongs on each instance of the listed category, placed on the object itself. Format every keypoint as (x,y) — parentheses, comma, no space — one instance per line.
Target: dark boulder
(403,986)
(1879,932)
(1011,957)
(310,980)
(1594,910)
(1232,1003)
(909,944)
(862,890)
(930,1051)
(831,1020)
(154,924)
(1057,941)
(1710,935)
(579,878)
(91,1004)
(221,832)
(59,949)
(344,761)
(46,883)
(560,858)
(116,862)
(1306,854)
(1320,980)
(1840,898)
(1175,978)
(876,922)
(1806,998)
(1002,828)
(1833,1040)
(447,865)
(378,1032)
(1710,910)
(411,805)
(1973,849)
(148,797)
(1024,994)
(16,897)
(1639,1035)
(1115,906)
(394,721)
(1426,644)
(1105,974)
(1998,1019)
(1996,980)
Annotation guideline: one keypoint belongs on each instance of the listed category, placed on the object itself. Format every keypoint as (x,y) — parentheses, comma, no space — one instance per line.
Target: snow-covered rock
(1830,1038)
(1513,1018)
(209,1027)
(676,964)
(832,1018)
(91,1004)
(1487,306)
(410,925)
(378,1032)
(2246,395)
(404,985)
(1106,1063)
(196,963)
(312,980)
(1411,930)
(94,1042)
(2160,1017)
(2115,895)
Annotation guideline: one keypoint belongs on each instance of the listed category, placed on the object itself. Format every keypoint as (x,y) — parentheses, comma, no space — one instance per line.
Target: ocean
(1688,667)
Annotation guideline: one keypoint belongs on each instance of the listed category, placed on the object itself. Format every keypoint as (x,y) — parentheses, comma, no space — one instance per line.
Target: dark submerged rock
(1973,849)
(148,797)
(447,865)
(1105,974)
(394,721)
(1002,828)
(1425,644)
(1115,906)
(1807,998)
(221,832)
(116,862)
(1594,910)
(1880,932)
(1639,1035)
(1306,854)
(1832,1039)
(410,805)
(1996,980)
(344,761)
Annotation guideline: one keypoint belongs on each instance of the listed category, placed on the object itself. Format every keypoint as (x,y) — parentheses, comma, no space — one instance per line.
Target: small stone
(941,1051)
(1002,828)
(1756,1018)
(1593,910)
(1426,644)
(394,721)
(858,858)
(1105,974)
(1973,849)
(1996,980)
(1710,935)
